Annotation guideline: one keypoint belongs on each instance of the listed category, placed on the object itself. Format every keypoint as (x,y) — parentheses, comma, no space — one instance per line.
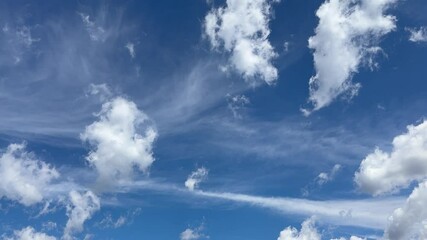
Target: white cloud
(308,232)
(241,28)
(96,33)
(190,234)
(418,35)
(345,39)
(23,177)
(80,209)
(196,178)
(326,177)
(131,48)
(367,213)
(410,221)
(29,233)
(122,139)
(236,104)
(383,172)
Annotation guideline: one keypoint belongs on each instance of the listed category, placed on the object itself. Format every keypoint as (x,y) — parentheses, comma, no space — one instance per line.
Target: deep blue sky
(269,150)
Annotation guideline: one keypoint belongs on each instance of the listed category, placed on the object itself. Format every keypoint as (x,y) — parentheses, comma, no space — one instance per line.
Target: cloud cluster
(122,139)
(29,233)
(308,232)
(418,35)
(241,29)
(387,172)
(382,172)
(345,38)
(81,208)
(409,221)
(196,178)
(24,178)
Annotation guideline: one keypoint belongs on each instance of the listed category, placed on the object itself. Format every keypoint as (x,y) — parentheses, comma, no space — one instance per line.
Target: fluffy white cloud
(80,209)
(382,172)
(418,35)
(410,221)
(345,38)
(23,177)
(122,138)
(308,232)
(196,178)
(241,28)
(29,233)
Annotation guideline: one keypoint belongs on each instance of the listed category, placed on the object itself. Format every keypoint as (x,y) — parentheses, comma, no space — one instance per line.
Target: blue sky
(220,119)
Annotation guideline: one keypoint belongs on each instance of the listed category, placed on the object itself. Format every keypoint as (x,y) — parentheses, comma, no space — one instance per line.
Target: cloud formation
(418,35)
(387,172)
(122,139)
(24,178)
(409,221)
(346,38)
(196,178)
(29,233)
(80,209)
(308,232)
(241,29)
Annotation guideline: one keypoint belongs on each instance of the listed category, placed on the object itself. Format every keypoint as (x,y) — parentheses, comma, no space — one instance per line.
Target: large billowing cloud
(384,172)
(409,221)
(24,178)
(80,209)
(241,29)
(122,139)
(345,39)
(29,233)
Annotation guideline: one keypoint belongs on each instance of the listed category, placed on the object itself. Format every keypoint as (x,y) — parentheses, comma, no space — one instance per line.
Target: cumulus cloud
(196,178)
(80,209)
(345,39)
(189,234)
(418,34)
(24,178)
(409,221)
(386,172)
(122,139)
(29,233)
(241,29)
(308,232)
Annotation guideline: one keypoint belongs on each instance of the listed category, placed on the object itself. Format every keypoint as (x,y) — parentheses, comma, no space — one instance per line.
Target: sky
(213,119)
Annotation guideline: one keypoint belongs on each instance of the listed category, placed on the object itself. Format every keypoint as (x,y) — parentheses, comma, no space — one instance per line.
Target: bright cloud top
(382,172)
(196,178)
(308,232)
(408,222)
(23,177)
(241,28)
(418,35)
(345,39)
(122,138)
(29,233)
(80,209)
